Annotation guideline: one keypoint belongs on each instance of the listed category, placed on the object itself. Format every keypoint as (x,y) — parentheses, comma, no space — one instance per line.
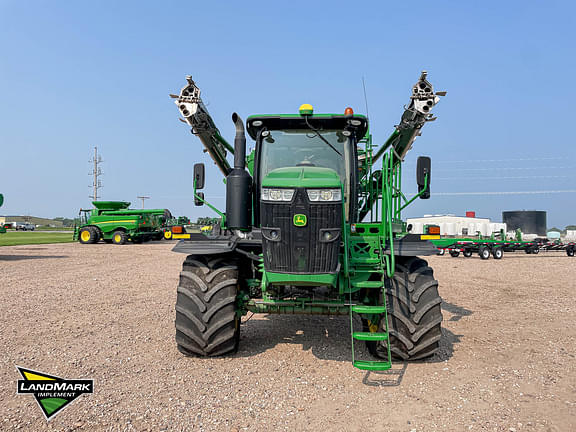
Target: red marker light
(348,112)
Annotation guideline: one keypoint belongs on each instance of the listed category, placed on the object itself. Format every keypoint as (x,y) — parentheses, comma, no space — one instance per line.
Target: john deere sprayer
(2,229)
(312,225)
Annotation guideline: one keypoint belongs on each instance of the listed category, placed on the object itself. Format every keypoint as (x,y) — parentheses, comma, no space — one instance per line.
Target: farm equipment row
(485,248)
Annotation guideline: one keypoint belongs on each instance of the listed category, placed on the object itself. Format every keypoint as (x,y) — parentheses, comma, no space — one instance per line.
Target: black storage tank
(529,221)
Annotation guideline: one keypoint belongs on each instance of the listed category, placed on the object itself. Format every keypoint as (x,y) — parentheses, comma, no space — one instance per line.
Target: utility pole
(143,198)
(96,173)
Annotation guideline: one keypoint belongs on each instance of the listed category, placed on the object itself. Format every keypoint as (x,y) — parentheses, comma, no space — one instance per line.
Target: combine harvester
(114,222)
(313,227)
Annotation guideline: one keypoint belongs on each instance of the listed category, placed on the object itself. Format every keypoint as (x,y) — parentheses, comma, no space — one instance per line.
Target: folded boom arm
(196,115)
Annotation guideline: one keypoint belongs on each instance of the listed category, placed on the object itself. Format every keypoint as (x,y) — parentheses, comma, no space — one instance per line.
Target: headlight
(268,194)
(324,194)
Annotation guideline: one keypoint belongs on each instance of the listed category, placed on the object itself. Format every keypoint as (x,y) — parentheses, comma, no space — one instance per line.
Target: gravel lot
(106,312)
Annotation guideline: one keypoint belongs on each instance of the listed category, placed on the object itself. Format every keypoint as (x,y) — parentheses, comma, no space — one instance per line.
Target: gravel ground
(507,359)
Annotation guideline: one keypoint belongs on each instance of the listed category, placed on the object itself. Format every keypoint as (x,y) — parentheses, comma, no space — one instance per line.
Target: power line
(96,173)
(504,193)
(501,178)
(504,160)
(506,168)
(538,159)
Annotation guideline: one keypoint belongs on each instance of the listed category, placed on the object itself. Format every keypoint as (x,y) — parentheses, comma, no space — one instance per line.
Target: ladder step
(365,260)
(368,309)
(367,284)
(370,336)
(372,365)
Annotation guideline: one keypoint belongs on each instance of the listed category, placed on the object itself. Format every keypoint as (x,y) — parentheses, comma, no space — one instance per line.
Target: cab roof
(297,121)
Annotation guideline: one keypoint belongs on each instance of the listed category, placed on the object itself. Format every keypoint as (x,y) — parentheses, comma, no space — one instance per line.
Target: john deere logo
(300,220)
(52,393)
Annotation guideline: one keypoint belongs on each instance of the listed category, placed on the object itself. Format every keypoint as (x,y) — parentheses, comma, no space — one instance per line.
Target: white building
(571,235)
(451,225)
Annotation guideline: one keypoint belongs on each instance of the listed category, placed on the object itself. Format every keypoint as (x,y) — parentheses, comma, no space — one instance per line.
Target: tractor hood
(305,177)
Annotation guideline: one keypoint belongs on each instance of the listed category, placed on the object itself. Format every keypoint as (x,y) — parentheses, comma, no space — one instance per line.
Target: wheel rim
(117,238)
(167,234)
(85,236)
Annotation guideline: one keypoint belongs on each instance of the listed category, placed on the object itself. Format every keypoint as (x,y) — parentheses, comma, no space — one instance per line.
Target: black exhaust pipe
(239,143)
(239,184)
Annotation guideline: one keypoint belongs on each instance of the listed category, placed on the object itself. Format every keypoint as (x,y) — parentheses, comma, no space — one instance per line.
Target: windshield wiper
(321,137)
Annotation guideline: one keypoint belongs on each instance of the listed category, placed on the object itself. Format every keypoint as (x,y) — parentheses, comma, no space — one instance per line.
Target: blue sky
(78,74)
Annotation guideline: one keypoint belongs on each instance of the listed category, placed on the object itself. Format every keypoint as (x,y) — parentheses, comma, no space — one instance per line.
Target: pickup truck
(24,226)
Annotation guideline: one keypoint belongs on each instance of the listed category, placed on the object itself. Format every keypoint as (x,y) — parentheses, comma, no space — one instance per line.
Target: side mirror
(422,170)
(199,202)
(199,175)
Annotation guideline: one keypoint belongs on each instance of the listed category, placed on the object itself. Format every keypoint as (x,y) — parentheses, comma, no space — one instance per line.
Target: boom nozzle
(195,114)
(423,97)
(415,116)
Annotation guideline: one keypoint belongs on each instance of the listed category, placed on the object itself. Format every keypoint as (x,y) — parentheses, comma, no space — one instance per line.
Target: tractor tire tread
(414,312)
(206,320)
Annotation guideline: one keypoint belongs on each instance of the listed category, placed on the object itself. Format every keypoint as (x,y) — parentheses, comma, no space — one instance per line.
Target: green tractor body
(312,226)
(2,228)
(114,222)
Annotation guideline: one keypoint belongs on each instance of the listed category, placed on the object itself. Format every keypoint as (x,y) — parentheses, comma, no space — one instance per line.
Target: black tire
(536,250)
(528,251)
(498,253)
(484,252)
(570,251)
(88,235)
(119,238)
(206,320)
(441,251)
(467,253)
(454,254)
(414,312)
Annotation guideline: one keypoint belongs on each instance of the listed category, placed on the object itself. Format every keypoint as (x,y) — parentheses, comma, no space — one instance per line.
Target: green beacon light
(306,109)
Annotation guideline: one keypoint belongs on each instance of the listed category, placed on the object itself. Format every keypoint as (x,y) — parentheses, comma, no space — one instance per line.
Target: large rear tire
(119,238)
(414,312)
(206,320)
(88,235)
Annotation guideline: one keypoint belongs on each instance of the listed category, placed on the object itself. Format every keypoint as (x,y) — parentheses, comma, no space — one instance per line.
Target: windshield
(304,147)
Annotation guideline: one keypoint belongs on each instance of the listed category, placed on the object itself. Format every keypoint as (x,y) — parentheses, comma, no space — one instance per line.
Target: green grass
(33,237)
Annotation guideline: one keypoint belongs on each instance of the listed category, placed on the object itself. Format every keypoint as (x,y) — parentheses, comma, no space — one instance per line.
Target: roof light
(306,109)
(348,112)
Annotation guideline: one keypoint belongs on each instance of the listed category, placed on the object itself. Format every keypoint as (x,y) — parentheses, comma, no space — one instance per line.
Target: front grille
(293,249)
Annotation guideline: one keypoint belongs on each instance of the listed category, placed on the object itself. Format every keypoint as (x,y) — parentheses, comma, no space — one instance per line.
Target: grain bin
(529,221)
